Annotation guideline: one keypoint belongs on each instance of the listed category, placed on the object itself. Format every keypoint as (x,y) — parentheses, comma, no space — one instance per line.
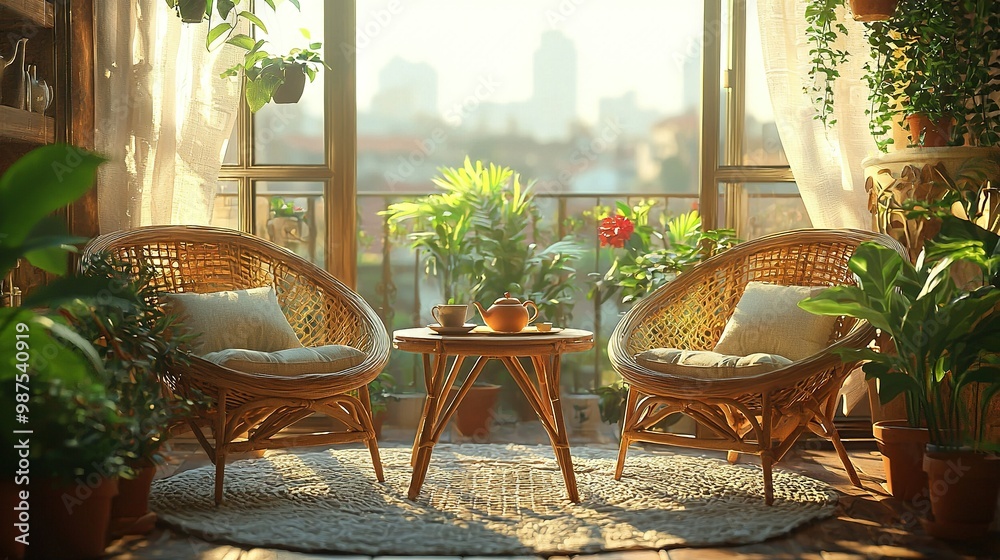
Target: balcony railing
(391,276)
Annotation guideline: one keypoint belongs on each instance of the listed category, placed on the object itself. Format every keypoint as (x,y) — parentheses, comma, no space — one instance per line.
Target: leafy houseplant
(480,238)
(946,332)
(935,60)
(270,77)
(379,394)
(50,376)
(652,257)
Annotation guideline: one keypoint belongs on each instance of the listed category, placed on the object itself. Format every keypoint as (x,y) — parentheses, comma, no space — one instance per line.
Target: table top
(422,339)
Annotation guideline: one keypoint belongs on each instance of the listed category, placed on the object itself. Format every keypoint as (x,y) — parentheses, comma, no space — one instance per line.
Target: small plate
(530,329)
(451,330)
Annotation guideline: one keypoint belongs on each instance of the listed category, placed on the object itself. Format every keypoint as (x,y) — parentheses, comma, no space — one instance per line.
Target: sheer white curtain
(163,115)
(826,162)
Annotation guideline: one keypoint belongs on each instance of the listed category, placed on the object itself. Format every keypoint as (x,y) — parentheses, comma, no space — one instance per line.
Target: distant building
(554,100)
(406,90)
(625,112)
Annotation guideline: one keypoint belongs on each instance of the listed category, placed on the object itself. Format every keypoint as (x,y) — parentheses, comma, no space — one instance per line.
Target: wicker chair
(246,411)
(763,415)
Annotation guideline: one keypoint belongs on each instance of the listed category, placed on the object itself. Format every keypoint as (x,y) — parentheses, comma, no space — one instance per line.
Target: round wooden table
(544,351)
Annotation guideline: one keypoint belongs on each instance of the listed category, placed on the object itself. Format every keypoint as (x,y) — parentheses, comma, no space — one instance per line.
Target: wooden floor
(868,523)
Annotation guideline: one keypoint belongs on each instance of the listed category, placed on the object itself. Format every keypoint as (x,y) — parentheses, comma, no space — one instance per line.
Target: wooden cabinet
(60,44)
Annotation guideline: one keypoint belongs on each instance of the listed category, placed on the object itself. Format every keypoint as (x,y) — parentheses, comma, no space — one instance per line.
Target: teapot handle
(533,306)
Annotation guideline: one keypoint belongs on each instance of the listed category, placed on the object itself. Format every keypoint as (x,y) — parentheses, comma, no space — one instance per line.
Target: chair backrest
(200,259)
(692,311)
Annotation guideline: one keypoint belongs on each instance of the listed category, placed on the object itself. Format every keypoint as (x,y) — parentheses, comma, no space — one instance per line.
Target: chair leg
(765,463)
(220,446)
(630,412)
(844,458)
(371,441)
(733,457)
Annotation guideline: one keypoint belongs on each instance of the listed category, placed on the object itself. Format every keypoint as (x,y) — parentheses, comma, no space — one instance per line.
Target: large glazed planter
(922,174)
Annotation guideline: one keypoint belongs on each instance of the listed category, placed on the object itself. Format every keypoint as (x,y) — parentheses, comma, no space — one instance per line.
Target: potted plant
(479,238)
(930,69)
(945,334)
(270,77)
(873,10)
(70,459)
(137,343)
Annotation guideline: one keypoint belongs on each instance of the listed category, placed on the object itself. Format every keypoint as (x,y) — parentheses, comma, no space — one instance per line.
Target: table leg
(551,416)
(438,386)
(428,383)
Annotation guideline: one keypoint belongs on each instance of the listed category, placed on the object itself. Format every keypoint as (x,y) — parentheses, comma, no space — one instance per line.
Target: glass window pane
(595,98)
(293,133)
(291,215)
(231,149)
(761,144)
(770,208)
(226,211)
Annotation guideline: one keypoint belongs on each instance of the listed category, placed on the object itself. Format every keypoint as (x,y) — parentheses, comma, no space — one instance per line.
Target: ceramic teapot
(508,314)
(18,100)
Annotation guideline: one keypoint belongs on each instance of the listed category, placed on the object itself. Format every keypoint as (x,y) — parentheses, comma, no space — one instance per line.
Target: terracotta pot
(873,10)
(963,490)
(403,410)
(290,91)
(902,449)
(130,513)
(15,519)
(475,415)
(70,521)
(935,134)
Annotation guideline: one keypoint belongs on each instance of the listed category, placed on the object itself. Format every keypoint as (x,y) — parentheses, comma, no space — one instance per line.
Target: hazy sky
(621,45)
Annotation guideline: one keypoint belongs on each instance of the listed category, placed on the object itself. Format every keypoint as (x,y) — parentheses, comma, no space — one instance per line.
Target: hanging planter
(191,11)
(290,91)
(873,10)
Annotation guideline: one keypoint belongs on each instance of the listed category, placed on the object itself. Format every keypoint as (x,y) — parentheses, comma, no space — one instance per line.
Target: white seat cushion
(708,365)
(248,319)
(290,362)
(768,319)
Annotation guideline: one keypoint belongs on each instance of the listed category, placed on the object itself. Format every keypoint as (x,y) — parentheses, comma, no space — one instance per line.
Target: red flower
(615,230)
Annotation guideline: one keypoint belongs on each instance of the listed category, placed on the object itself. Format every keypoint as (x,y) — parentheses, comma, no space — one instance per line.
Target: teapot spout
(482,311)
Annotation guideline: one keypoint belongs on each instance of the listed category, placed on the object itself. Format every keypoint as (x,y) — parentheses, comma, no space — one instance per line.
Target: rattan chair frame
(247,411)
(762,415)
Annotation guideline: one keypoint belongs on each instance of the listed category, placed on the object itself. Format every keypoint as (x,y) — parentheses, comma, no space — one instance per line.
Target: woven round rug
(487,499)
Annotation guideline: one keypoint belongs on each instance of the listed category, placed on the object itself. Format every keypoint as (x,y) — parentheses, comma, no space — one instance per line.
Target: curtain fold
(826,161)
(163,115)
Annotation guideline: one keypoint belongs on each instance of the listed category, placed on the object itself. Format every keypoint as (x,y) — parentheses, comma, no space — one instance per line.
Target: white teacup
(450,315)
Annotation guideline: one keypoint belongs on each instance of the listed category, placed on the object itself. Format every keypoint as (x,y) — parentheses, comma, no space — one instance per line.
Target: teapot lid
(507,300)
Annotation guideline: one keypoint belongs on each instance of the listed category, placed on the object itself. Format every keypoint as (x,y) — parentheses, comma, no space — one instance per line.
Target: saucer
(451,330)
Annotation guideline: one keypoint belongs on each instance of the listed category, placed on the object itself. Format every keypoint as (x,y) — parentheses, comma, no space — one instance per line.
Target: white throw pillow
(768,319)
(291,362)
(708,365)
(249,319)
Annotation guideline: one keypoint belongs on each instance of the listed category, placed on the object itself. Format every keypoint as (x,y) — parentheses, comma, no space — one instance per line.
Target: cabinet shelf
(22,126)
(38,11)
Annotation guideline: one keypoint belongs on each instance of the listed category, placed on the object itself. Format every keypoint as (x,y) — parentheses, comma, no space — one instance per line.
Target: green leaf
(296,4)
(253,18)
(623,208)
(41,182)
(224,7)
(70,288)
(891,385)
(241,40)
(217,32)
